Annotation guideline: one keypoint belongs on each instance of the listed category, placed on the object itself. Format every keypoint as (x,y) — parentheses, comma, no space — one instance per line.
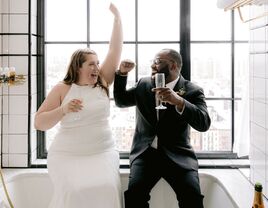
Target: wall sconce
(9,77)
(238,4)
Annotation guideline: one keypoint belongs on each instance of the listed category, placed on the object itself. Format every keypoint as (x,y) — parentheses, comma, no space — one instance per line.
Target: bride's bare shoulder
(61,89)
(61,86)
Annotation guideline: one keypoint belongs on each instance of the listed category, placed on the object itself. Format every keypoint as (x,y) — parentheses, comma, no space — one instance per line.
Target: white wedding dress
(82,161)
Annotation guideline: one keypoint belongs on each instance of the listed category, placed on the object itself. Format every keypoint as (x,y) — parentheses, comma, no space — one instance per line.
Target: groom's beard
(165,70)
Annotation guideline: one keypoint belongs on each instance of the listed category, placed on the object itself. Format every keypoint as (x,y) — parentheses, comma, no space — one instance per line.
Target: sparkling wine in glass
(160,82)
(78,97)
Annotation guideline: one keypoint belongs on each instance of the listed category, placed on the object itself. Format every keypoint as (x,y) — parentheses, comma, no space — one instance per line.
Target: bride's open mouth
(94,76)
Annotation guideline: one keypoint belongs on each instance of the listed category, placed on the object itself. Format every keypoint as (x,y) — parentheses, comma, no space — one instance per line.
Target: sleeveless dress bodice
(87,131)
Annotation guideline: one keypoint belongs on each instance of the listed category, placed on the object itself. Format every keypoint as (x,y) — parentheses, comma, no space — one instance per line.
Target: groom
(161,145)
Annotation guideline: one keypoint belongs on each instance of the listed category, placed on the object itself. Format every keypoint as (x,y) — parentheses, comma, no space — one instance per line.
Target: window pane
(57,60)
(218,137)
(159,20)
(66,20)
(101,19)
(208,22)
(211,68)
(241,69)
(147,52)
(122,121)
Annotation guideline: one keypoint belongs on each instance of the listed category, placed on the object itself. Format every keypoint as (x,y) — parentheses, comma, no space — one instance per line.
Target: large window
(219,63)
(216,56)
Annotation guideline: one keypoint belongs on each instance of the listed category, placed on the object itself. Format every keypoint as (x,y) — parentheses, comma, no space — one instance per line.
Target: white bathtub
(33,189)
(162,195)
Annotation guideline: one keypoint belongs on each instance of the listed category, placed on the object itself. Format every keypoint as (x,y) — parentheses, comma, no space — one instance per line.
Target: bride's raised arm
(111,62)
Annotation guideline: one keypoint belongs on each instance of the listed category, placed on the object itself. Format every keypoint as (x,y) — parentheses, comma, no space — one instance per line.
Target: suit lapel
(179,87)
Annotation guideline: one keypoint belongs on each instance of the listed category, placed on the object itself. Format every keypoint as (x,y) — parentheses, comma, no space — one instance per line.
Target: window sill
(203,163)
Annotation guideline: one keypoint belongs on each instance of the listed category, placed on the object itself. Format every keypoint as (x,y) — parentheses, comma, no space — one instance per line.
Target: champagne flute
(78,97)
(160,82)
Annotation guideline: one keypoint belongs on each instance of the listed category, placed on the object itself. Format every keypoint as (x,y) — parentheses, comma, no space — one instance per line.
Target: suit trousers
(147,169)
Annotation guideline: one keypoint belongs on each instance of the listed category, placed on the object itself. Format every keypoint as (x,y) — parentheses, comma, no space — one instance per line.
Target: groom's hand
(165,94)
(126,66)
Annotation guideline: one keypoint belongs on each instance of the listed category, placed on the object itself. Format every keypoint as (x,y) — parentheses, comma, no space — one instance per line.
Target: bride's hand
(74,105)
(114,10)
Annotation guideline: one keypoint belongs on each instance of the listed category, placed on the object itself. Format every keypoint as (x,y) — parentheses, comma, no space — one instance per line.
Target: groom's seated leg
(144,174)
(186,185)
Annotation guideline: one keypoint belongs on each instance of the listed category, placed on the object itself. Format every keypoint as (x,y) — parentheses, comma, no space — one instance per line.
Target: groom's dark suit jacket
(172,129)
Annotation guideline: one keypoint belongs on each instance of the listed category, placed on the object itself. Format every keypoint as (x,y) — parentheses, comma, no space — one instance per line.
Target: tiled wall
(18,103)
(259,97)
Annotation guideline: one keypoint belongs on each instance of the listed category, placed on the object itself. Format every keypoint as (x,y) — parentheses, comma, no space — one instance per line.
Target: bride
(82,161)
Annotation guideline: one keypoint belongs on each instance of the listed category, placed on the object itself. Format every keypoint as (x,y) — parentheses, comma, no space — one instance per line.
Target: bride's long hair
(77,59)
